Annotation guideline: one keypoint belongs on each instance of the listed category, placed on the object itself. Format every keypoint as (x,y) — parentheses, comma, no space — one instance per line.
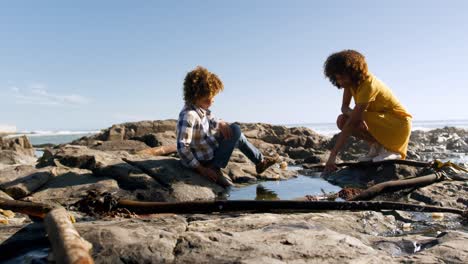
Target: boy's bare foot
(265,164)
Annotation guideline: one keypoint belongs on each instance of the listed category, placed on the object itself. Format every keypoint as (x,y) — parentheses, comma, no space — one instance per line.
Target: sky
(85,65)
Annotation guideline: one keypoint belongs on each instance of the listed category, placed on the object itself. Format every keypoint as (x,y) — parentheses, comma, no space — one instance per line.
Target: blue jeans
(226,146)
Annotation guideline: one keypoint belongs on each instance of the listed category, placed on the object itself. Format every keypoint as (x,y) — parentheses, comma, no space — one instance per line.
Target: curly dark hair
(347,62)
(199,83)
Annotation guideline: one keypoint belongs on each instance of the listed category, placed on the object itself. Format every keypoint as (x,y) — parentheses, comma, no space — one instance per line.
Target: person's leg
(249,150)
(253,154)
(360,132)
(226,147)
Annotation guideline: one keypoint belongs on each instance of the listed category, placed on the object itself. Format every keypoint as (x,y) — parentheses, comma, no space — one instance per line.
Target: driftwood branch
(365,164)
(32,209)
(67,244)
(24,186)
(268,206)
(392,186)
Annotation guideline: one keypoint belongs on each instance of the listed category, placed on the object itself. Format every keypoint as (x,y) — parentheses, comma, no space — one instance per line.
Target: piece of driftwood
(32,209)
(159,151)
(24,186)
(67,244)
(365,164)
(269,206)
(392,186)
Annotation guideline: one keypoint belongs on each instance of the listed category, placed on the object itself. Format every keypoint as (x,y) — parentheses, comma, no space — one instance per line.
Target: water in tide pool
(283,190)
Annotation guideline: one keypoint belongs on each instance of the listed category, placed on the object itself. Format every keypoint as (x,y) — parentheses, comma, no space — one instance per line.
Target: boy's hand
(208,173)
(225,130)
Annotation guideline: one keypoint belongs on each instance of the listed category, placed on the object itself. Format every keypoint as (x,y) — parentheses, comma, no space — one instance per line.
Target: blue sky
(89,64)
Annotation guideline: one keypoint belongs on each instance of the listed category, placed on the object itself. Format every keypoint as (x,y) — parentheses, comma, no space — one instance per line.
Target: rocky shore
(117,161)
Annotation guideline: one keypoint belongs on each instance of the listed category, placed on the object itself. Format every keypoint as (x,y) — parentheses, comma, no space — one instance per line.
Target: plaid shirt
(196,140)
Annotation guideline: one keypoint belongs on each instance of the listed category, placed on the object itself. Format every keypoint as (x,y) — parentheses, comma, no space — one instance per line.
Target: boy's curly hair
(200,83)
(348,62)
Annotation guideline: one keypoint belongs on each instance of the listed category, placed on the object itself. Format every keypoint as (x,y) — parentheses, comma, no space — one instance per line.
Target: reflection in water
(265,194)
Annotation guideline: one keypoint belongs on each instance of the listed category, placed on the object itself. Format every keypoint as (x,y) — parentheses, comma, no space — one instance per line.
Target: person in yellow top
(377,117)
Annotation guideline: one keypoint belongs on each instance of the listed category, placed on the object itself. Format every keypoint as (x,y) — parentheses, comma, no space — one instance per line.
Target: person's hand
(225,130)
(330,166)
(208,173)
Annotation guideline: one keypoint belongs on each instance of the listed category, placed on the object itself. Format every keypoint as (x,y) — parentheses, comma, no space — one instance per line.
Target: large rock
(78,157)
(146,178)
(11,173)
(181,182)
(70,185)
(11,157)
(134,241)
(16,150)
(271,140)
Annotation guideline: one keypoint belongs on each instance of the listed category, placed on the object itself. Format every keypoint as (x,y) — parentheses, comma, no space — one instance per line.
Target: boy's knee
(340,121)
(236,131)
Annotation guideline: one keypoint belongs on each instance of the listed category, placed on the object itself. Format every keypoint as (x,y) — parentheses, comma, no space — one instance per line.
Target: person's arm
(220,125)
(345,109)
(356,118)
(184,138)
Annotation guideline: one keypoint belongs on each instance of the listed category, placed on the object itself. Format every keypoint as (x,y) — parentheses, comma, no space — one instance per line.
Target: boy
(204,143)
